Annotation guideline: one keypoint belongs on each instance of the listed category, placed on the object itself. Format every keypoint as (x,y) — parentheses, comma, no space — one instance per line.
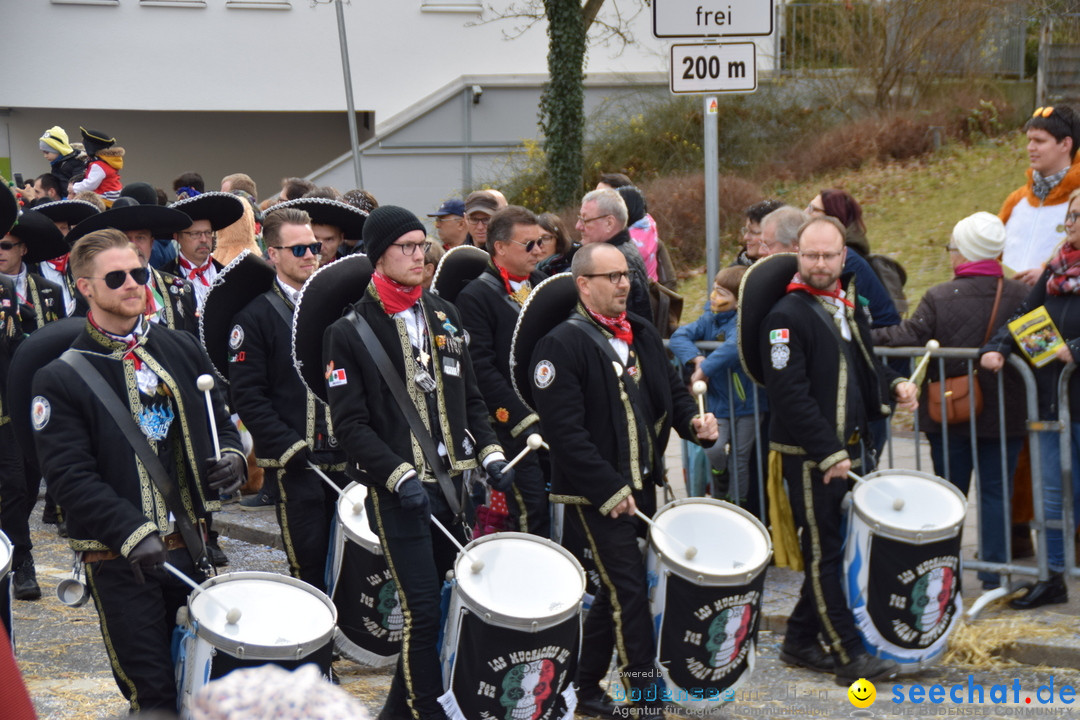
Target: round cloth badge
(544,374)
(236,337)
(40,411)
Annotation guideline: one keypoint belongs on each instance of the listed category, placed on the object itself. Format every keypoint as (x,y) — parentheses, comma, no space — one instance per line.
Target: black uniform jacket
(490,314)
(11,334)
(110,500)
(599,453)
(283,416)
(821,390)
(44,303)
(368,422)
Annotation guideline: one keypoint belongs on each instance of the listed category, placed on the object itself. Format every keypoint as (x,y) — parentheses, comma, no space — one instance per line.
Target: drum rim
(250,651)
(908,536)
(743,576)
(5,543)
(542,622)
(365,542)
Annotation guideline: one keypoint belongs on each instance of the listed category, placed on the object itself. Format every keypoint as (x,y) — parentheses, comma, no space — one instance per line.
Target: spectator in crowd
(479,207)
(64,160)
(239,181)
(105,160)
(47,188)
(751,236)
(325,192)
(602,218)
(957,313)
(556,241)
(642,226)
(450,223)
(188,185)
(365,202)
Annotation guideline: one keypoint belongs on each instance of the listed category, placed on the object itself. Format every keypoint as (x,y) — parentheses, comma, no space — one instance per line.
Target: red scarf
(507,277)
(1064,271)
(59,264)
(619,326)
(395,296)
(979,268)
(197,272)
(131,344)
(797,284)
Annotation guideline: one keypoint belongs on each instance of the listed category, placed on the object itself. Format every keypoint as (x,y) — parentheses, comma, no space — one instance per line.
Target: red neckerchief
(797,284)
(395,296)
(507,277)
(59,264)
(131,344)
(619,326)
(197,272)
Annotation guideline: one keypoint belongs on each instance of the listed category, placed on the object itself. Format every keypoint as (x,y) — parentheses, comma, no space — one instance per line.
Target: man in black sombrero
(209,213)
(66,214)
(332,221)
(34,239)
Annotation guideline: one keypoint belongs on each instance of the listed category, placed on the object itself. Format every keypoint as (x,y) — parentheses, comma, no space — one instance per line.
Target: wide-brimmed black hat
(241,281)
(323,299)
(43,239)
(72,212)
(458,267)
(762,286)
(9,208)
(548,304)
(158,219)
(324,211)
(221,209)
(38,350)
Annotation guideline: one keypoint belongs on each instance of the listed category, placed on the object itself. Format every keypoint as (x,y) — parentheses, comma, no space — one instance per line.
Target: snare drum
(5,586)
(370,620)
(705,609)
(283,621)
(512,630)
(902,564)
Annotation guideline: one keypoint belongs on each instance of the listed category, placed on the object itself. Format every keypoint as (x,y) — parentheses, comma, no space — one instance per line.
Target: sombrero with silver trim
(324,211)
(9,208)
(762,287)
(38,350)
(548,304)
(458,267)
(72,212)
(221,209)
(325,297)
(161,221)
(241,281)
(43,239)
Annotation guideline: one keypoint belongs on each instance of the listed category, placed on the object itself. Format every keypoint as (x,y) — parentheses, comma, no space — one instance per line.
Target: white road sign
(712,18)
(714,68)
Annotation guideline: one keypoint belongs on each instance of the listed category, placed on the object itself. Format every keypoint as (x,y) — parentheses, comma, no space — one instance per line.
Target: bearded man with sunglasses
(289,426)
(118,519)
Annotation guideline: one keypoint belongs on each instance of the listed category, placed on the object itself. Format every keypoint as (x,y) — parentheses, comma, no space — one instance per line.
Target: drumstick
(357,508)
(533,442)
(477,564)
(920,370)
(897,502)
(689,551)
(699,387)
(205,383)
(232,615)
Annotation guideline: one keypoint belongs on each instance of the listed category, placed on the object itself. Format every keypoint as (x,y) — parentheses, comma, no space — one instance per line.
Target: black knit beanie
(386,224)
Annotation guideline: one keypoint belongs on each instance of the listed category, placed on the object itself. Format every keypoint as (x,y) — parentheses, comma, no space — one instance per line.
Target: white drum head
(5,555)
(732,545)
(279,616)
(524,579)
(356,524)
(910,505)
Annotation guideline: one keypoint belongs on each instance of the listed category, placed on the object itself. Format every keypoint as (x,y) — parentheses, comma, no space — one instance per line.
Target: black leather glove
(227,474)
(300,460)
(414,497)
(499,476)
(148,554)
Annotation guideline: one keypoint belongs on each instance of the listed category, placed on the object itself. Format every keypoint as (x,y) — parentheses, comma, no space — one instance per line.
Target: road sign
(714,68)
(712,18)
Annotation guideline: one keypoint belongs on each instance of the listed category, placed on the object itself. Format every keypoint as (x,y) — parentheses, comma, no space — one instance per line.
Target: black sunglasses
(299,251)
(5,245)
(115,279)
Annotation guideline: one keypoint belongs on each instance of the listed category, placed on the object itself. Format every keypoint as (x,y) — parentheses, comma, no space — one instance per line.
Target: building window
(259,4)
(452,6)
(173,3)
(85,2)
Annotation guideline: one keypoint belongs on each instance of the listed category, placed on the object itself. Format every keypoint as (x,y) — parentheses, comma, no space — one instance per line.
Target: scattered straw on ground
(983,643)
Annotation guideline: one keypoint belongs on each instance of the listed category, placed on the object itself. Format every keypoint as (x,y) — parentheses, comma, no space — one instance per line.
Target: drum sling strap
(278,303)
(489,280)
(412,416)
(111,402)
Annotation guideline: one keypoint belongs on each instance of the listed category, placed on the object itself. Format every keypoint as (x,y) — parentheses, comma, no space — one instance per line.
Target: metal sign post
(712,190)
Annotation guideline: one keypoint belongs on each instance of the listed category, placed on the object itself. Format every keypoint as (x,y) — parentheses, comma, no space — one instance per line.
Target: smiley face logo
(862,693)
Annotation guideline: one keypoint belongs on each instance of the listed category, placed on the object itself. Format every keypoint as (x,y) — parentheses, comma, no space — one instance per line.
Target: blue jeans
(1050,455)
(992,520)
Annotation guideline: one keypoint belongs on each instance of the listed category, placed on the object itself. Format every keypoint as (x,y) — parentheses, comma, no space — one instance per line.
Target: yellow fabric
(116,162)
(786,551)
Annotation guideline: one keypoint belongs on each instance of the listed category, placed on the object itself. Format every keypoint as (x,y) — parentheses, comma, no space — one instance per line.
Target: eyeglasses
(446,218)
(544,239)
(818,257)
(1043,111)
(207,234)
(5,245)
(951,248)
(814,209)
(480,219)
(407,249)
(586,221)
(115,279)
(299,251)
(1070,218)
(615,277)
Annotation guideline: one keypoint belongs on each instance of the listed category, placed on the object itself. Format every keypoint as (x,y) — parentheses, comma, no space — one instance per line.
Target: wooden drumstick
(689,551)
(476,564)
(232,615)
(699,387)
(205,383)
(357,508)
(533,442)
(897,502)
(920,370)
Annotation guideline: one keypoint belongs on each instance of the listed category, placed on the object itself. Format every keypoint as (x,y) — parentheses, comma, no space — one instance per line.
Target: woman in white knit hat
(964,313)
